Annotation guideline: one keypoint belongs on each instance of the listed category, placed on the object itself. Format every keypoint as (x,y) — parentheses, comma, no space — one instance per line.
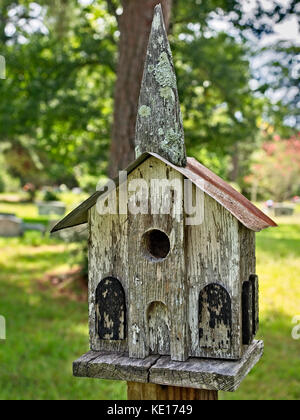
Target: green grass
(44,333)
(47,331)
(277,376)
(29,211)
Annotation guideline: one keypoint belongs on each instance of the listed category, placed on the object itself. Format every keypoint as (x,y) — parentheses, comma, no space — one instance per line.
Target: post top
(159,126)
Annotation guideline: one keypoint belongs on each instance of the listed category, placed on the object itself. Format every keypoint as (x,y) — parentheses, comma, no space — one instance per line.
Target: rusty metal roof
(238,205)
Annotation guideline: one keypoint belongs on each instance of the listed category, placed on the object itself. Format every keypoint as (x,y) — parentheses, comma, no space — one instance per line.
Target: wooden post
(151,392)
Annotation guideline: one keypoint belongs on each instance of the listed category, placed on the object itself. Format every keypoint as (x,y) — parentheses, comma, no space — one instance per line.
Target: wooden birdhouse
(173,299)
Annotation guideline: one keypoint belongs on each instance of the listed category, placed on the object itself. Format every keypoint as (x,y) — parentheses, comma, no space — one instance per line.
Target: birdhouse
(173,290)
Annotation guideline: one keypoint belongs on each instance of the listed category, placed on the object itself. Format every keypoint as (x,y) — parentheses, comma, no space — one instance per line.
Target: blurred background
(67,119)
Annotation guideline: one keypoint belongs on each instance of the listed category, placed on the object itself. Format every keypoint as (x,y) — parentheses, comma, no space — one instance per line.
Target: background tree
(134,25)
(275,170)
(220,109)
(69,61)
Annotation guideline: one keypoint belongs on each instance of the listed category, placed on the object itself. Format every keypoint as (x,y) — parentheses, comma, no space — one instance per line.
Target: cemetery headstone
(10,226)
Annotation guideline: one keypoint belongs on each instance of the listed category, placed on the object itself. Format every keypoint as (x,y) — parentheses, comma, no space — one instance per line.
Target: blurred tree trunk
(135,26)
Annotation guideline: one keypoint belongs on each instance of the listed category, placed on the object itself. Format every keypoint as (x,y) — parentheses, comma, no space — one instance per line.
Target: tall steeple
(159,125)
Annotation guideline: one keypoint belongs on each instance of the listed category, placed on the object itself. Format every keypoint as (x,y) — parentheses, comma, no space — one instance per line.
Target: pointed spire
(159,126)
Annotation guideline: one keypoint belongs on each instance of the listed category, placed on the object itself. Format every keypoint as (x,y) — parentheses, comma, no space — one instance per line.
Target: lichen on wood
(159,126)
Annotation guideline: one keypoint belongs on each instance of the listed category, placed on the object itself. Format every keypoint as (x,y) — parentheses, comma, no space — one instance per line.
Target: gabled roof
(238,205)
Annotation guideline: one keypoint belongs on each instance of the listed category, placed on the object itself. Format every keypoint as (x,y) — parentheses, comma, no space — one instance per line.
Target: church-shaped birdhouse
(173,290)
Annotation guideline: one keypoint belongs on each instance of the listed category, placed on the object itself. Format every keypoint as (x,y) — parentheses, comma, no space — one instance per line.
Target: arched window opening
(215,318)
(111,310)
(159,328)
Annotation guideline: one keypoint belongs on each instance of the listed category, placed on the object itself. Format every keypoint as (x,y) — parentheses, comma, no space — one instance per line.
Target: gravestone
(8,214)
(282,210)
(10,226)
(52,207)
(38,227)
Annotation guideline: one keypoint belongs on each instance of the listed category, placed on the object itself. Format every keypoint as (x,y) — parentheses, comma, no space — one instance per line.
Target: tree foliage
(56,105)
(276,169)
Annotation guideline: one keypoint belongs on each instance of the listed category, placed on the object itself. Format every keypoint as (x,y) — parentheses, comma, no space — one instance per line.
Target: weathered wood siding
(159,328)
(249,282)
(161,280)
(196,373)
(247,312)
(188,304)
(255,303)
(108,257)
(212,255)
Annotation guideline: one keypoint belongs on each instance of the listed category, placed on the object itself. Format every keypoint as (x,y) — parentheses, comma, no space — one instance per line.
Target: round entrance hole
(156,245)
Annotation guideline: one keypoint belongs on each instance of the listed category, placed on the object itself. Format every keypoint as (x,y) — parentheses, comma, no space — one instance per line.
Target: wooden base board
(215,375)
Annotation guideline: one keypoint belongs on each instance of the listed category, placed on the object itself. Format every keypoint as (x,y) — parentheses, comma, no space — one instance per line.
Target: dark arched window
(215,318)
(111,310)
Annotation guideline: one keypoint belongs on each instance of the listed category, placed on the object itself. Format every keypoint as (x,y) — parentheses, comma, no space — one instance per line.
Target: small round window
(156,245)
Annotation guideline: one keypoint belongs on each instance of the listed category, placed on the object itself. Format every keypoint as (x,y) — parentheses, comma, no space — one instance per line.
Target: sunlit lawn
(46,331)
(277,376)
(29,211)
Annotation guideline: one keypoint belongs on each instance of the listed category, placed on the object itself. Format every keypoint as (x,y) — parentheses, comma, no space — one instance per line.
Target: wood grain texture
(255,303)
(218,375)
(151,392)
(113,366)
(159,328)
(247,315)
(108,257)
(159,125)
(163,295)
(158,282)
(247,261)
(215,375)
(213,257)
